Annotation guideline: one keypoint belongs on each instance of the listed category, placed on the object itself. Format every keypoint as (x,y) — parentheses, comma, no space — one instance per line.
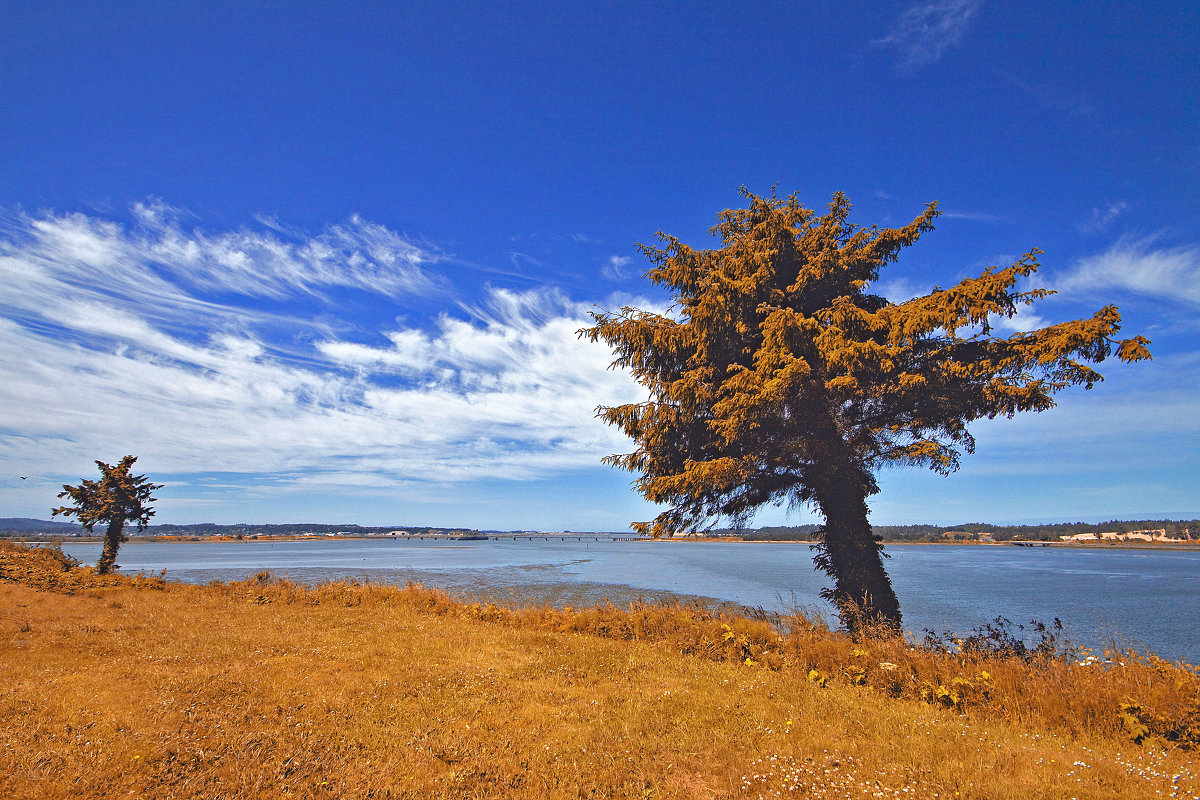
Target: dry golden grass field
(135,687)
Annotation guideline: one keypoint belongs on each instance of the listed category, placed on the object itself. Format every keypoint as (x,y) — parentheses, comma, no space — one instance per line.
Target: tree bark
(112,542)
(851,555)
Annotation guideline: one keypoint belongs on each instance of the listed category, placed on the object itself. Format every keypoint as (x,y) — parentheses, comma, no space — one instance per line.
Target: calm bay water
(1139,598)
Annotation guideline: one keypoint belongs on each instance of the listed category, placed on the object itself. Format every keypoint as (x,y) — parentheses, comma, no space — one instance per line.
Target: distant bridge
(575,537)
(532,537)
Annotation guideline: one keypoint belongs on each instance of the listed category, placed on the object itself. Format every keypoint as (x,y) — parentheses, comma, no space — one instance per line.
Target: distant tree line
(291,529)
(280,529)
(1179,529)
(18,527)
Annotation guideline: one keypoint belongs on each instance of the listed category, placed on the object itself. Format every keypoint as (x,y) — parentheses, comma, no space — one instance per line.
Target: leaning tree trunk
(850,554)
(112,542)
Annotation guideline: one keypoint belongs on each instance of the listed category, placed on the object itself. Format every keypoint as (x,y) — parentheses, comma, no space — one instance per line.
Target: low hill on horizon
(28,524)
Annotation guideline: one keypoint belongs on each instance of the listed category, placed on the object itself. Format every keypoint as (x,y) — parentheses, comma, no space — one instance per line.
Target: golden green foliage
(117,498)
(778,376)
(265,689)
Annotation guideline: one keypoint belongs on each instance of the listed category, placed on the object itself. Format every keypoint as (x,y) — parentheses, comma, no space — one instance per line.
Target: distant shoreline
(1100,545)
(1040,544)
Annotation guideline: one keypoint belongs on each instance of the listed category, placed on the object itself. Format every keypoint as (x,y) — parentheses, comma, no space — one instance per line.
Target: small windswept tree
(778,377)
(116,499)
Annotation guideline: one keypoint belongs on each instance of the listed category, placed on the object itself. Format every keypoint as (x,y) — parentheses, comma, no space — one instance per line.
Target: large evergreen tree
(778,377)
(116,499)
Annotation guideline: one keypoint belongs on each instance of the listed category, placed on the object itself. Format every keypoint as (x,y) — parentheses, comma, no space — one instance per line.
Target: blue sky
(325,262)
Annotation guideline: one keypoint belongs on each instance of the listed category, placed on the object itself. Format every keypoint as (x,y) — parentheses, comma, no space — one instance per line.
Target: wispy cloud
(971,216)
(1102,217)
(1096,426)
(1141,266)
(1083,457)
(519,260)
(151,339)
(899,289)
(67,271)
(614,268)
(926,30)
(1051,96)
(1026,319)
(263,263)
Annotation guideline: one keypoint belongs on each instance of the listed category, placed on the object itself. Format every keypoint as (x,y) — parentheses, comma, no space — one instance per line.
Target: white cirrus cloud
(1025,320)
(1142,266)
(926,30)
(153,339)
(1102,217)
(971,216)
(899,289)
(1155,405)
(156,262)
(614,268)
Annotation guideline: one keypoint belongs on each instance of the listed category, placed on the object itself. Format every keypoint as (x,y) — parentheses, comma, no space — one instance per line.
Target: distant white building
(1155,535)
